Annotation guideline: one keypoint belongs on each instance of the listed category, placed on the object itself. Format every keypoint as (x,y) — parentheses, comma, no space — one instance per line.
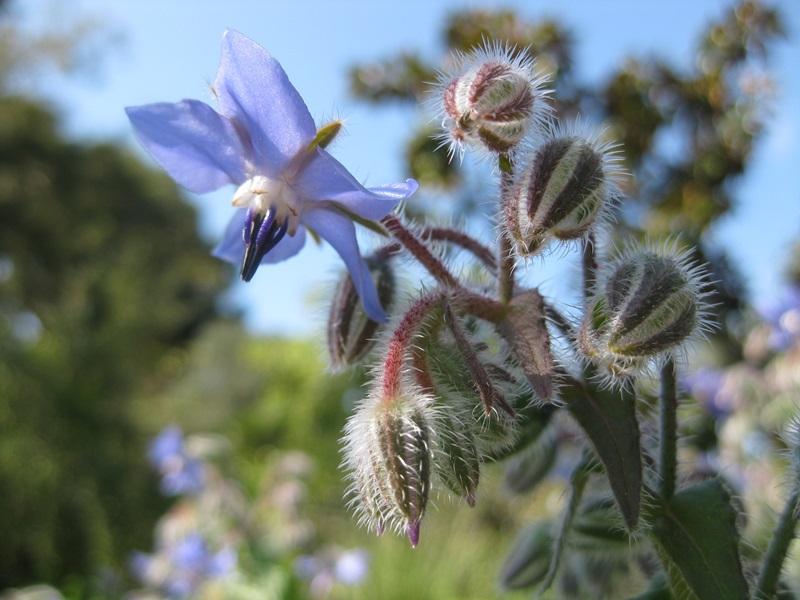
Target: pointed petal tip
(412,530)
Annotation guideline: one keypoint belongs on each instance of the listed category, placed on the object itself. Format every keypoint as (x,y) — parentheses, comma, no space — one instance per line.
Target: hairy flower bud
(490,99)
(568,184)
(351,333)
(388,454)
(651,302)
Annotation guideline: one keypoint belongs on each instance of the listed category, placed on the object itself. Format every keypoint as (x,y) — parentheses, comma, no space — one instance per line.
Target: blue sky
(171,48)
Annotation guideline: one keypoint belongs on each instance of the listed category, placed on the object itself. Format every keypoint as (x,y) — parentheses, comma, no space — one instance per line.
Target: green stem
(778,547)
(589,267)
(505,253)
(669,431)
(578,480)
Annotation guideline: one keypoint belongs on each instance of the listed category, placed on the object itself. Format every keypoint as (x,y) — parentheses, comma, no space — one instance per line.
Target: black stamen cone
(262,232)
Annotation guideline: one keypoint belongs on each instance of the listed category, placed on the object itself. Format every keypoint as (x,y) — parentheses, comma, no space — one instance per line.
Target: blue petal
(340,233)
(231,248)
(196,146)
(253,89)
(325,178)
(377,202)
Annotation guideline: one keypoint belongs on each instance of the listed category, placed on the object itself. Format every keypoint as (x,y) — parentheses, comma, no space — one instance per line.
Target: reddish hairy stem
(464,241)
(402,338)
(479,306)
(453,236)
(415,246)
(505,253)
(401,341)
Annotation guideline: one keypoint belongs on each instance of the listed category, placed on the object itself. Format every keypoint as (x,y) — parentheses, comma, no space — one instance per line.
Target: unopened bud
(388,453)
(568,184)
(652,302)
(491,99)
(351,333)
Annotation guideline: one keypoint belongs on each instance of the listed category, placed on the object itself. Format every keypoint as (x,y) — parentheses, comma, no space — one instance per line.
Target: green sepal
(325,135)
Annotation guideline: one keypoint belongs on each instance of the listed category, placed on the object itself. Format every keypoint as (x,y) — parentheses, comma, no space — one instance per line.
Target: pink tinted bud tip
(379,528)
(471,500)
(412,530)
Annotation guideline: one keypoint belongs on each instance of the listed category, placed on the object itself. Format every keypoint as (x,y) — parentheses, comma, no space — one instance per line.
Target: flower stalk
(505,252)
(669,432)
(419,251)
(782,537)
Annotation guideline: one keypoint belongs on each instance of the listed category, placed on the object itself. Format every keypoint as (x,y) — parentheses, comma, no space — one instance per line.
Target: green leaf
(695,535)
(598,529)
(577,484)
(527,564)
(608,417)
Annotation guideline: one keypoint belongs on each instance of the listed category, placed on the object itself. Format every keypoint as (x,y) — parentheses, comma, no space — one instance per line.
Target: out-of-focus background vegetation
(113,322)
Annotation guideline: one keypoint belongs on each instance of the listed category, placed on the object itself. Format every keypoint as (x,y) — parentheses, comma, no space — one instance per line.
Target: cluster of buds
(442,404)
(462,378)
(648,303)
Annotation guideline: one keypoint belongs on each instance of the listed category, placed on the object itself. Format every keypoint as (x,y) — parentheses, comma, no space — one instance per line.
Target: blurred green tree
(102,274)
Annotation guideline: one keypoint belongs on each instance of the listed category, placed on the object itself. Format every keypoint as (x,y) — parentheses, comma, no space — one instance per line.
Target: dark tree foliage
(713,112)
(102,273)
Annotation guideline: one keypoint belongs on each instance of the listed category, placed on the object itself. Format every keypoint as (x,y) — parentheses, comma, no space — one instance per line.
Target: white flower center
(261,193)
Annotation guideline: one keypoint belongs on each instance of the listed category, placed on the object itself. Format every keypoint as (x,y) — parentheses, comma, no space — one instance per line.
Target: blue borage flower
(181,473)
(264,140)
(182,566)
(782,314)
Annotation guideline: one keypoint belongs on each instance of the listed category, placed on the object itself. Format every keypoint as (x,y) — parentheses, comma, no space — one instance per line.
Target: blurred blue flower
(352,566)
(707,386)
(180,473)
(323,570)
(192,555)
(263,140)
(783,317)
(181,568)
